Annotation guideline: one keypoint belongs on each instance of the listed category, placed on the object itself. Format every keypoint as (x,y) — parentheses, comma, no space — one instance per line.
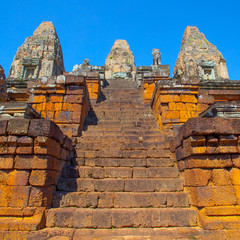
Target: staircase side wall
(208,156)
(174,102)
(32,155)
(64,100)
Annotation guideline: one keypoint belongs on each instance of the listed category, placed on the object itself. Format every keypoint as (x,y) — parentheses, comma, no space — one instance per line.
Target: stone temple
(119,151)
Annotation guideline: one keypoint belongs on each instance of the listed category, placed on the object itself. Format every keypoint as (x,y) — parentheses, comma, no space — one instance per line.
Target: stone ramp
(124,175)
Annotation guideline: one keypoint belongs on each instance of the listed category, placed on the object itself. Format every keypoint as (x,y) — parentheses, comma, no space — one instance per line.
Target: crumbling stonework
(40,55)
(3,90)
(199,59)
(120,61)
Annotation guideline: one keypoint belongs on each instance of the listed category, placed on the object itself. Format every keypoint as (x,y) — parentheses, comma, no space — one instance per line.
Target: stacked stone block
(32,155)
(148,85)
(207,152)
(174,103)
(63,100)
(93,86)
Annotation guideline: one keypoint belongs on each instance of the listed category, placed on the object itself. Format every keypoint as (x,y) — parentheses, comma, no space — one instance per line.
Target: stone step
(100,145)
(120,172)
(120,128)
(119,218)
(120,200)
(171,233)
(120,185)
(130,138)
(125,162)
(118,153)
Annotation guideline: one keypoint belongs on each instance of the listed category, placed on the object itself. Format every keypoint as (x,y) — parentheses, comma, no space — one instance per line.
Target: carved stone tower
(120,61)
(40,55)
(198,59)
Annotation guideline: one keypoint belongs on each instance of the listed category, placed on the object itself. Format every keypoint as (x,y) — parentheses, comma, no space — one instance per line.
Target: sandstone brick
(3,127)
(64,217)
(169,98)
(188,98)
(235,176)
(102,218)
(42,127)
(172,115)
(4,195)
(41,196)
(236,160)
(39,99)
(221,177)
(56,98)
(106,200)
(18,126)
(122,200)
(63,117)
(42,177)
(6,161)
(210,161)
(67,107)
(82,218)
(202,196)
(75,90)
(33,162)
(224,195)
(196,177)
(49,107)
(109,185)
(18,178)
(75,99)
(19,196)
(24,150)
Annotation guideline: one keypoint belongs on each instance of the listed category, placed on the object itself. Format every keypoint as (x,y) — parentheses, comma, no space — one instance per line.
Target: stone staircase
(124,175)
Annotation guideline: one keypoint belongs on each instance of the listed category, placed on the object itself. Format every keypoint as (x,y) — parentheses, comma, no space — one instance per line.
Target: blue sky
(88,29)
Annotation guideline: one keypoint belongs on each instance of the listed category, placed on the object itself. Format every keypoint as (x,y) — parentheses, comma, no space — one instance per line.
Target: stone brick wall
(63,100)
(148,85)
(93,86)
(175,103)
(208,155)
(32,154)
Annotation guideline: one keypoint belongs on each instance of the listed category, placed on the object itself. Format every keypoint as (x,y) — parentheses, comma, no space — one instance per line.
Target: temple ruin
(119,151)
(120,61)
(40,55)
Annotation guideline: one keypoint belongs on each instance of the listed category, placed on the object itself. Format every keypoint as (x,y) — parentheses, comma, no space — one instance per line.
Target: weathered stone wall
(3,89)
(63,100)
(208,156)
(120,61)
(199,59)
(40,55)
(93,86)
(149,81)
(32,155)
(175,103)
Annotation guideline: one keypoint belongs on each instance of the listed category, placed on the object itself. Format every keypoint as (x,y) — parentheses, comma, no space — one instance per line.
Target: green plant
(111,57)
(206,41)
(24,48)
(20,80)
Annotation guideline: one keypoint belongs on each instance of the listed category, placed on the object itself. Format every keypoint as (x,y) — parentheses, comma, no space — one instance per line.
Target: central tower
(120,61)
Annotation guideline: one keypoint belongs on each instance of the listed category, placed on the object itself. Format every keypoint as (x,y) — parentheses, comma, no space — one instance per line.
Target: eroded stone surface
(120,61)
(40,55)
(3,90)
(199,59)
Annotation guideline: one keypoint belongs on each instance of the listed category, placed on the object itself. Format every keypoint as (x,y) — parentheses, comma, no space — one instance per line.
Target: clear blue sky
(88,29)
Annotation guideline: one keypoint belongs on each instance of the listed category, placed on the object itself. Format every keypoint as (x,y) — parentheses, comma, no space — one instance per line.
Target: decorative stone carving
(40,55)
(84,67)
(198,59)
(156,56)
(120,61)
(3,90)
